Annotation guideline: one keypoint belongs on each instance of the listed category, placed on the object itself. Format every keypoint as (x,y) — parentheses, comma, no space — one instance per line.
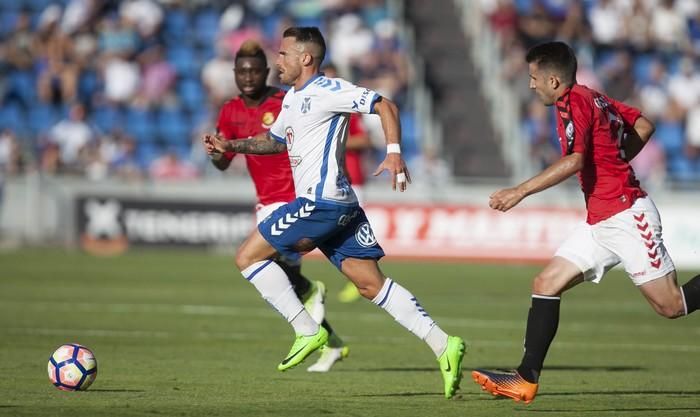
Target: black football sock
(691,294)
(299,282)
(542,323)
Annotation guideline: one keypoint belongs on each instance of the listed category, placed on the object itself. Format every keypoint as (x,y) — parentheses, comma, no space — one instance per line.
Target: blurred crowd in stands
(105,88)
(644,52)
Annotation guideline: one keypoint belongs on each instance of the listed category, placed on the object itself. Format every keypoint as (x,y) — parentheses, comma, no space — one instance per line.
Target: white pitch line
(141,334)
(267,313)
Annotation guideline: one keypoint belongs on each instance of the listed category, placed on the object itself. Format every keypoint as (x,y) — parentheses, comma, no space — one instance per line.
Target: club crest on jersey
(306,105)
(289,135)
(268,118)
(601,102)
(364,235)
(570,132)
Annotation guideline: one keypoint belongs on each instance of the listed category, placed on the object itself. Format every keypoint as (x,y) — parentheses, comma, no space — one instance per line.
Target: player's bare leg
(255,260)
(665,296)
(542,323)
(405,309)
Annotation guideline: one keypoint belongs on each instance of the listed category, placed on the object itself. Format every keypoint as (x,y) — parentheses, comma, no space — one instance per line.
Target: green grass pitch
(180,333)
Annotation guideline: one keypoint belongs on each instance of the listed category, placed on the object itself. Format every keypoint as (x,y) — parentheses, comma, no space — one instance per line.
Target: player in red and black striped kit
(598,138)
(247,115)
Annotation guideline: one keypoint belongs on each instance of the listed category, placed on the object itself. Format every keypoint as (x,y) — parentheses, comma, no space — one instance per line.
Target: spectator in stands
(11,158)
(170,167)
(146,16)
(574,29)
(684,85)
(157,78)
(58,74)
(668,27)
(123,161)
(637,27)
(537,25)
(606,23)
(19,44)
(692,129)
(653,94)
(617,77)
(384,67)
(218,78)
(650,165)
(70,136)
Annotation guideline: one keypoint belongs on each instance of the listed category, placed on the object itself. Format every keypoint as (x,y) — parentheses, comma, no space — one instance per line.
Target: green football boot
(451,364)
(303,346)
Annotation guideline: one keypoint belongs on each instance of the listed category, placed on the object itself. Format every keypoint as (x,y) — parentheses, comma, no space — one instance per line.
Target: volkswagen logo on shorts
(365,236)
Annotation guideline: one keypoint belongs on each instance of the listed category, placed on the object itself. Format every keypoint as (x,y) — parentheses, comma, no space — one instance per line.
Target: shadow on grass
(431,369)
(608,410)
(616,393)
(547,368)
(578,368)
(115,390)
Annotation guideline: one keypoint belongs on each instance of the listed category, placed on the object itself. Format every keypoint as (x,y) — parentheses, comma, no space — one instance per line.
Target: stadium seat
(176,26)
(173,126)
(642,66)
(139,123)
(191,93)
(183,59)
(106,118)
(409,144)
(206,26)
(38,5)
(7,21)
(146,152)
(12,116)
(88,84)
(22,86)
(42,118)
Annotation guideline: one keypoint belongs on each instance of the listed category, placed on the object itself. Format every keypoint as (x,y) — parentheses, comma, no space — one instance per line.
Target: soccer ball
(72,367)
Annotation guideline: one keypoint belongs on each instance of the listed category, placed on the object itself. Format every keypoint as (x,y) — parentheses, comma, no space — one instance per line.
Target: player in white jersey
(312,126)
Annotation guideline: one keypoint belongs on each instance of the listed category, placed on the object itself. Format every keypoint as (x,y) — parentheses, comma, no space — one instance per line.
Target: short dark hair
(251,49)
(308,34)
(555,56)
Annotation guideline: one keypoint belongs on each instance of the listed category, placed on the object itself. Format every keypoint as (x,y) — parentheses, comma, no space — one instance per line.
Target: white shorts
(262,211)
(631,237)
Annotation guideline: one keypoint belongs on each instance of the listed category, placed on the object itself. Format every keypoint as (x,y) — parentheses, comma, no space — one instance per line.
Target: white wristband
(393,148)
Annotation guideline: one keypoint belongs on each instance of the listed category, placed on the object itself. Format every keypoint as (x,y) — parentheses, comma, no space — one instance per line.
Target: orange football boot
(508,384)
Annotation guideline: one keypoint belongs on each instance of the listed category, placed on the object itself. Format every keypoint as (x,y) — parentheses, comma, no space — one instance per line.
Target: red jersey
(271,174)
(353,158)
(594,125)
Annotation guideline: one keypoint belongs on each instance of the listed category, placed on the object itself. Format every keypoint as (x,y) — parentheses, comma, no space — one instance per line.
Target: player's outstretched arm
(261,144)
(504,200)
(389,116)
(635,141)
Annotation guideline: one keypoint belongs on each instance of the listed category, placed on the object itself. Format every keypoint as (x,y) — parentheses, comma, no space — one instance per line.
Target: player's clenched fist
(504,200)
(214,144)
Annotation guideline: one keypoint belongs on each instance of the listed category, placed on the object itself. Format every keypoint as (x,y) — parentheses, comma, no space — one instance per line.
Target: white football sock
(274,286)
(404,308)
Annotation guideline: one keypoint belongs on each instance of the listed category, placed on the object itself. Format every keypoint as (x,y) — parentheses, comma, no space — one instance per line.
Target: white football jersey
(313,123)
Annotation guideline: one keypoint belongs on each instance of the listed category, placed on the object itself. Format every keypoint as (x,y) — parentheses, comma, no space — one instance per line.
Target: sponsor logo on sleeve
(362,100)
